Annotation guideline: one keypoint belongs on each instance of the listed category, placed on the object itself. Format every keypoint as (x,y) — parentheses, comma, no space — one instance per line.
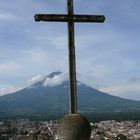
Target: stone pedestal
(74,127)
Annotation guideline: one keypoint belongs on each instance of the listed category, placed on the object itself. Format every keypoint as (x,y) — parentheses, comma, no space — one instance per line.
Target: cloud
(8,66)
(22,85)
(35,79)
(8,90)
(56,80)
(26,63)
(129,89)
(7,17)
(106,53)
(48,82)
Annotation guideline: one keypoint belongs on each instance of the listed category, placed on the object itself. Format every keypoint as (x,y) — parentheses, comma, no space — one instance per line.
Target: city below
(25,129)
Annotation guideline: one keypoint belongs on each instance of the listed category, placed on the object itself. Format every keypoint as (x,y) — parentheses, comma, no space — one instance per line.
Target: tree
(121,137)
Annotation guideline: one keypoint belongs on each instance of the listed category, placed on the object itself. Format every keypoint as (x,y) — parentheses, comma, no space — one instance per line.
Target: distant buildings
(112,130)
(43,130)
(24,138)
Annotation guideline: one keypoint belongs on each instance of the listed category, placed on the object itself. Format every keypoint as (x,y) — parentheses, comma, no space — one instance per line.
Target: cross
(71,18)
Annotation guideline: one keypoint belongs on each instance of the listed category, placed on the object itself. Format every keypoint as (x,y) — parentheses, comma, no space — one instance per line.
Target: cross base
(74,127)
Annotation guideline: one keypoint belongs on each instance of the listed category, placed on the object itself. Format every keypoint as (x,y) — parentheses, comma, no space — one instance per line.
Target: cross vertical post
(71,18)
(72,61)
(73,126)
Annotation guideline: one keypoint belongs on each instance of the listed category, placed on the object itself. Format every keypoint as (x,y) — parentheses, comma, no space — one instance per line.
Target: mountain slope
(50,96)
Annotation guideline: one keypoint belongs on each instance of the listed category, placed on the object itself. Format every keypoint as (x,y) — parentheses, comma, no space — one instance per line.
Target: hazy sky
(107,54)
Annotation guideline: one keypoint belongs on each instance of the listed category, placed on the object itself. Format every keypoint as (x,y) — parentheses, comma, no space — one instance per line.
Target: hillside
(50,96)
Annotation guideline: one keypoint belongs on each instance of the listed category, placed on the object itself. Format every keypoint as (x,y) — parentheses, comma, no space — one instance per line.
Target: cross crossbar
(71,18)
(66,18)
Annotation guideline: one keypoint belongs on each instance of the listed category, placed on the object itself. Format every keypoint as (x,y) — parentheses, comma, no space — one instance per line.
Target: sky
(107,54)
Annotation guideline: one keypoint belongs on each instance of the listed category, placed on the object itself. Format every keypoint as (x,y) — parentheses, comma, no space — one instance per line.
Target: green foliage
(4,138)
(121,137)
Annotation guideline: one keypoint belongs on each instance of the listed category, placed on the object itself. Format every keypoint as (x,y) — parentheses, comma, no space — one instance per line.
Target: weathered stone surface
(74,127)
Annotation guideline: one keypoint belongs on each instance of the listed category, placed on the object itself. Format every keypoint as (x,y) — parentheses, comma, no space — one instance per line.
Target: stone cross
(71,18)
